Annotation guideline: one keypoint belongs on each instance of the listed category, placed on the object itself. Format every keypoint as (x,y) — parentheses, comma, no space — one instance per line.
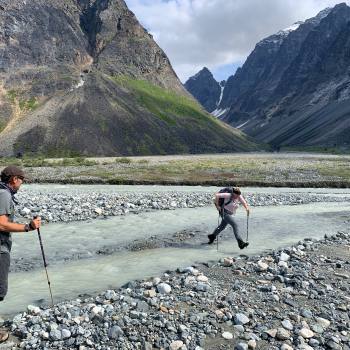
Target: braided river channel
(91,256)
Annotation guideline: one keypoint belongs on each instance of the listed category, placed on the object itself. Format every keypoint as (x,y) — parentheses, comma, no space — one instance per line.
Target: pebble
(241,319)
(323,322)
(33,309)
(176,345)
(306,313)
(271,332)
(262,266)
(284,257)
(306,333)
(287,325)
(228,262)
(252,344)
(115,332)
(227,335)
(163,288)
(282,334)
(55,334)
(66,334)
(239,328)
(202,278)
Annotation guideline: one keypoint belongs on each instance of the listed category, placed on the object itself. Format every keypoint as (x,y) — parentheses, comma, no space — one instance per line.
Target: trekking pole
(217,237)
(247,225)
(44,260)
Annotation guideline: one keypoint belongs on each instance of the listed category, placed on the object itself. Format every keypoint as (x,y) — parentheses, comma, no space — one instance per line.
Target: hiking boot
(242,244)
(4,335)
(211,238)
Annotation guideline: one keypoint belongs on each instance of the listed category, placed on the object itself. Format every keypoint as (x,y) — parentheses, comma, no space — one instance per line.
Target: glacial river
(270,227)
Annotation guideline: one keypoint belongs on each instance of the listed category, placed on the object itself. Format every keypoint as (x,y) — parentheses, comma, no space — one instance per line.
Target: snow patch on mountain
(221,94)
(219,112)
(241,126)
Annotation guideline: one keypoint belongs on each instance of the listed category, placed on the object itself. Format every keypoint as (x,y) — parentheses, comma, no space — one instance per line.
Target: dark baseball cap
(12,170)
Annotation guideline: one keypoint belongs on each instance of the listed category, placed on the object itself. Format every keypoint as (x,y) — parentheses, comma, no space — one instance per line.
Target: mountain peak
(204,72)
(83,77)
(278,38)
(294,83)
(204,88)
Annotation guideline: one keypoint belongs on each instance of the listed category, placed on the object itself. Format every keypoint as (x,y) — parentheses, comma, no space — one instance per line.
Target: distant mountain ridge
(294,88)
(83,77)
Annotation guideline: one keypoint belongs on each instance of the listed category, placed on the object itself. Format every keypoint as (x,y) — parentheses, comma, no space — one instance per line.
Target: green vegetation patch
(163,103)
(28,105)
(340,169)
(12,95)
(123,160)
(24,104)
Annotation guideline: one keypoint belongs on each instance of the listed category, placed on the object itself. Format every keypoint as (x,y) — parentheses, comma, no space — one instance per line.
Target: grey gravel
(80,205)
(171,312)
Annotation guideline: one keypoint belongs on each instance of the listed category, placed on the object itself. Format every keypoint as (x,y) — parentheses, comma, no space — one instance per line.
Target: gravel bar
(62,207)
(295,298)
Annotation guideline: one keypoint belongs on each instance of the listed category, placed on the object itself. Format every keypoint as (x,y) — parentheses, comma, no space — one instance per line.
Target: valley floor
(244,169)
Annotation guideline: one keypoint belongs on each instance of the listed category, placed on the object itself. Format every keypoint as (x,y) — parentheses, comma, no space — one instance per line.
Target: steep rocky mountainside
(205,89)
(294,88)
(83,77)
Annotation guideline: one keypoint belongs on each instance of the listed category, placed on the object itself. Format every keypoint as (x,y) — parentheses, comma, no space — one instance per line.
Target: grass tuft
(123,160)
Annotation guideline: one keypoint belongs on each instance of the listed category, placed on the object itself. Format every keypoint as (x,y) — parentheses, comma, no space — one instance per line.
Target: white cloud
(212,33)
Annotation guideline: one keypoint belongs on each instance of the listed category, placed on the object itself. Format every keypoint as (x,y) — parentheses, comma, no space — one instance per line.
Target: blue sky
(221,72)
(218,34)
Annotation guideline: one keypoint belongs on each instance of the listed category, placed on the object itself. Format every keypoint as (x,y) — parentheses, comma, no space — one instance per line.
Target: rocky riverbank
(295,298)
(80,206)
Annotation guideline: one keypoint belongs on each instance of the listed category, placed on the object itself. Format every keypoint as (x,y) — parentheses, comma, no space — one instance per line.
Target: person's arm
(244,203)
(8,226)
(216,201)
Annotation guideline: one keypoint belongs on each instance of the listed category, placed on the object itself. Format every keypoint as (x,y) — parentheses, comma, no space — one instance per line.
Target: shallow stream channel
(91,256)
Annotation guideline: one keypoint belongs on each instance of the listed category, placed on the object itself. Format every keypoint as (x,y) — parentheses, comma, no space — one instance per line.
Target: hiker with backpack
(227,201)
(12,178)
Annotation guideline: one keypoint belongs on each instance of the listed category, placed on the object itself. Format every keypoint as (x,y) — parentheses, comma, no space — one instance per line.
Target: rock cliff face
(83,77)
(294,88)
(205,89)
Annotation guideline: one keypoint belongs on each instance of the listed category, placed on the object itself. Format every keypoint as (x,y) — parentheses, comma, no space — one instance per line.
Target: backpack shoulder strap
(223,202)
